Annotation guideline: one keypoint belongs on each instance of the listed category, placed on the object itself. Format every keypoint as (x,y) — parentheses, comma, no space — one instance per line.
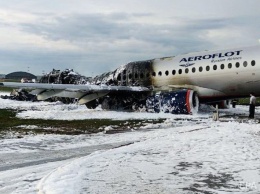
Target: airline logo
(216,57)
(187,64)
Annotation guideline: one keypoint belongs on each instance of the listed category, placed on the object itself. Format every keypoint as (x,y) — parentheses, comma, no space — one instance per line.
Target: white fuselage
(222,73)
(213,75)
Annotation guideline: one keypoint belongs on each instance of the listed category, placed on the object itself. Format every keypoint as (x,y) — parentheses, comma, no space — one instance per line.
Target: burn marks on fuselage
(137,73)
(132,74)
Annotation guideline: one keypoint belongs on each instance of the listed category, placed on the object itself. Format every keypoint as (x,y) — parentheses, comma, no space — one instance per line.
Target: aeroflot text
(219,55)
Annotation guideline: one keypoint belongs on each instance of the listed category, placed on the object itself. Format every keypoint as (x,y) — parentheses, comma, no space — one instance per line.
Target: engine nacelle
(175,102)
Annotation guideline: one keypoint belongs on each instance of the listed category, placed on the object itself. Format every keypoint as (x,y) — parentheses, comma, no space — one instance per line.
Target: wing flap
(48,94)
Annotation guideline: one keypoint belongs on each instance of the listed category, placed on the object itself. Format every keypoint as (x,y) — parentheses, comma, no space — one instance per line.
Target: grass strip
(9,121)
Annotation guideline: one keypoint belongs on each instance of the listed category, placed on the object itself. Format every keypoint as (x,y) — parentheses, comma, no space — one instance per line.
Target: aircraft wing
(87,88)
(84,93)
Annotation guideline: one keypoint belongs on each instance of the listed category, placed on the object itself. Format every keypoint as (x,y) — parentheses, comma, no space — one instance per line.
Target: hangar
(20,75)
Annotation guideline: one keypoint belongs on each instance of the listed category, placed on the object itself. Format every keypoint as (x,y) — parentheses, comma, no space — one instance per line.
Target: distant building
(20,75)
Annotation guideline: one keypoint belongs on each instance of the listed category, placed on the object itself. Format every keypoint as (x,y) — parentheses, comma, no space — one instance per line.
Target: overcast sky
(96,36)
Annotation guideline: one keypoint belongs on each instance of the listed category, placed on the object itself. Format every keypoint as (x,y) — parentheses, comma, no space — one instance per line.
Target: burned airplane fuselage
(131,74)
(67,76)
(134,86)
(140,73)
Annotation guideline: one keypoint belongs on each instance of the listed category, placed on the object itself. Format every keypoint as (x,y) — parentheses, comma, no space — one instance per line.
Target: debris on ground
(20,95)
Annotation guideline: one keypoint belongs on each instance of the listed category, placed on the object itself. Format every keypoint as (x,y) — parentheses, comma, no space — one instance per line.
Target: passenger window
(222,66)
(245,63)
(124,77)
(237,64)
(186,70)
(160,73)
(119,77)
(215,67)
(180,71)
(207,68)
(154,74)
(253,63)
(166,73)
(130,75)
(230,65)
(173,72)
(193,70)
(200,69)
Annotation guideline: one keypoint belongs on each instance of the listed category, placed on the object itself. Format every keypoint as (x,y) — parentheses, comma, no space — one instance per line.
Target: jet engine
(175,102)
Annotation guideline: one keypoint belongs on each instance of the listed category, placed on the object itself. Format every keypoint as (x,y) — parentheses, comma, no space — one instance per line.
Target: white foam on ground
(185,152)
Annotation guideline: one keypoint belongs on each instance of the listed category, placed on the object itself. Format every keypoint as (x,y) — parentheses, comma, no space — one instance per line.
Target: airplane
(177,84)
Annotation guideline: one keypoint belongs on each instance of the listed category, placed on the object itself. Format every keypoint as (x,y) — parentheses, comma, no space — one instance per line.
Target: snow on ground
(185,154)
(214,157)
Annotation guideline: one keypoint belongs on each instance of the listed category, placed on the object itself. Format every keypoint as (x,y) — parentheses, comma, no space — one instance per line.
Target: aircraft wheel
(92,104)
(106,104)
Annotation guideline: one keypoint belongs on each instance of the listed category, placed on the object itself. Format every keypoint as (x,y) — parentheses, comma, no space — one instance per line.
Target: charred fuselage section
(67,76)
(131,74)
